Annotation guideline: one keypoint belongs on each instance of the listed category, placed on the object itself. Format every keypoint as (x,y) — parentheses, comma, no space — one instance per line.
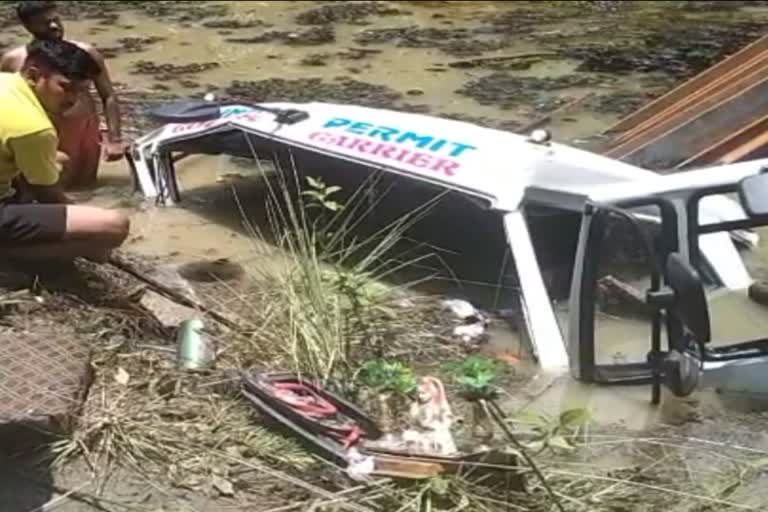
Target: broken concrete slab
(170,314)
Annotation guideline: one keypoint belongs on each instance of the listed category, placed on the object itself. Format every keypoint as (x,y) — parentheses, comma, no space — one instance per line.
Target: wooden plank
(691,101)
(727,97)
(729,64)
(721,151)
(695,134)
(745,151)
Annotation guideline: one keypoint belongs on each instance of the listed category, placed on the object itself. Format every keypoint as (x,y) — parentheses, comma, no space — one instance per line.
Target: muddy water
(416,71)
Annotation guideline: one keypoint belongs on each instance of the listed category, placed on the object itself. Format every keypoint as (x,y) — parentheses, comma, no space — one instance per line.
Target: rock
(168,276)
(168,313)
(223,486)
(618,297)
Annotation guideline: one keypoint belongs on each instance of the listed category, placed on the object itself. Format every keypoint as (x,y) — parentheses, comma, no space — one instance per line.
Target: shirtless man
(78,128)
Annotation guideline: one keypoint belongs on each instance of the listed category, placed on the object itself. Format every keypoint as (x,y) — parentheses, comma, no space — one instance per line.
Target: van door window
(739,315)
(622,317)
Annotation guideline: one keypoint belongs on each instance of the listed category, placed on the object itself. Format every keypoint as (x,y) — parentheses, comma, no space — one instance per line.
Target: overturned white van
(504,172)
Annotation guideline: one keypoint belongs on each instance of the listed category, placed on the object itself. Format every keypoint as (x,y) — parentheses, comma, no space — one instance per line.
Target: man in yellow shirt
(53,76)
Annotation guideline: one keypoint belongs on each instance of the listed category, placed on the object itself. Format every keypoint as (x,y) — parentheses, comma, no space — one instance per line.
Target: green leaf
(314,183)
(574,418)
(332,190)
(332,205)
(560,442)
(535,445)
(532,418)
(313,194)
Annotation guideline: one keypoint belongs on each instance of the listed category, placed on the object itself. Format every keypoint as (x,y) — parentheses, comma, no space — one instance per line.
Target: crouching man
(41,222)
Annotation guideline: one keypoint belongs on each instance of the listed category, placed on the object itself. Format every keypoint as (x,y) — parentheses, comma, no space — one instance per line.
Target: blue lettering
(360,128)
(421,142)
(437,146)
(235,110)
(388,134)
(336,122)
(460,148)
(383,132)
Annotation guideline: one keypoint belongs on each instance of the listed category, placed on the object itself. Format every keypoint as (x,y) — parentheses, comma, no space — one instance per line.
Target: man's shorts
(22,224)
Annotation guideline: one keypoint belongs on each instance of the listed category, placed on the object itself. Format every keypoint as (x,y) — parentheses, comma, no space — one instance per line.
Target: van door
(609,320)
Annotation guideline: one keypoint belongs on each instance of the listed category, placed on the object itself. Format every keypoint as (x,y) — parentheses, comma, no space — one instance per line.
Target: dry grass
(142,413)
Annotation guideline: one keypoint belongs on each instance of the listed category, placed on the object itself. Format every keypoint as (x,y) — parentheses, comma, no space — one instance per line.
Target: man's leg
(80,139)
(50,232)
(90,154)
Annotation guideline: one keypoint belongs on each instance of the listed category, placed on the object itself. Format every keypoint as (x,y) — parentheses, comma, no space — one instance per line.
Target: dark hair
(28,10)
(62,57)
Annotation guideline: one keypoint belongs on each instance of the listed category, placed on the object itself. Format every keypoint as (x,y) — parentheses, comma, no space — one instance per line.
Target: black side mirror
(753,193)
(690,302)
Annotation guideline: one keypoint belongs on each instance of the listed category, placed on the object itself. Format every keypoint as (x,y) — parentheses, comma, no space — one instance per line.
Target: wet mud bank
(565,56)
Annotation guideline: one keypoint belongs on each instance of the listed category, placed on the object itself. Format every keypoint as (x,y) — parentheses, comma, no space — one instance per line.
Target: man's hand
(114,151)
(62,159)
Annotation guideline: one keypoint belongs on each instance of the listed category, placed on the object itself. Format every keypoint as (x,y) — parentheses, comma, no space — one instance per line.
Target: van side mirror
(753,193)
(690,302)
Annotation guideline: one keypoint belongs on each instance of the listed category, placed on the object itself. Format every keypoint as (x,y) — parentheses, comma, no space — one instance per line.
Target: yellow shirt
(28,140)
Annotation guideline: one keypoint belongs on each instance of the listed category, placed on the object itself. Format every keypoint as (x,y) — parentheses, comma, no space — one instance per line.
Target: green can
(194,350)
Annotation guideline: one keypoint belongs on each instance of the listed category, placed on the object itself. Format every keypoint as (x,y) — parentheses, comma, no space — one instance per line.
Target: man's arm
(114,147)
(12,60)
(37,157)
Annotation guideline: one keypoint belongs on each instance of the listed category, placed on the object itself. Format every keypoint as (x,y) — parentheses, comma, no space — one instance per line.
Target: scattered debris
(315,59)
(223,486)
(194,349)
(507,91)
(508,62)
(171,71)
(681,51)
(122,377)
(235,23)
(346,13)
(315,89)
(462,309)
(474,323)
(311,37)
(456,42)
